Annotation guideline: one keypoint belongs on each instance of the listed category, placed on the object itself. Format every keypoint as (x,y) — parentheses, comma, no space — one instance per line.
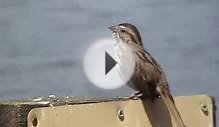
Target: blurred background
(42,44)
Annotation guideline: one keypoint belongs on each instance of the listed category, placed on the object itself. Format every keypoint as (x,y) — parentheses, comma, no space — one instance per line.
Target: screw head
(34,121)
(121,115)
(204,109)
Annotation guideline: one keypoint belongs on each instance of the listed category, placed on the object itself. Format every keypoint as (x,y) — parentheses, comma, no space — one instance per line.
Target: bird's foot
(136,95)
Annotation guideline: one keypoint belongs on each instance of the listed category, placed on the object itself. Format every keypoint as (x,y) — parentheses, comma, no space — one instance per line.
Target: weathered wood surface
(14,113)
(19,113)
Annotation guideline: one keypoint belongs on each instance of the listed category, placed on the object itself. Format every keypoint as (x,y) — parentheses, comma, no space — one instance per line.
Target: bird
(148,79)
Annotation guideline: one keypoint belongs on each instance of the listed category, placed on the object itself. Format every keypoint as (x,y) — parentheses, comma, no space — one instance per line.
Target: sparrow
(148,79)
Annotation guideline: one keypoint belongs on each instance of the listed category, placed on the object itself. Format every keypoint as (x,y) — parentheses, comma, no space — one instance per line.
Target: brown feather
(148,77)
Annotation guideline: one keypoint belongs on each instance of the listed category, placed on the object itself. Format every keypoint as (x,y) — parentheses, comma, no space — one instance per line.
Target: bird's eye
(122,30)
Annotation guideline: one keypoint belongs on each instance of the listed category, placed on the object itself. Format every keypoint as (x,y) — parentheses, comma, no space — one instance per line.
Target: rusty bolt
(34,121)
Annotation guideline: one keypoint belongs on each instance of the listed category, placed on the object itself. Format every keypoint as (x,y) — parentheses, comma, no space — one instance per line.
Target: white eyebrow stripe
(121,26)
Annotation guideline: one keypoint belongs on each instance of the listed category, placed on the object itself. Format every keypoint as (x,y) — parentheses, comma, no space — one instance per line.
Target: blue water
(42,43)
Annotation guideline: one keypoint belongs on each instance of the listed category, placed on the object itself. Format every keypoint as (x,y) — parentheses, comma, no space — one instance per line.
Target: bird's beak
(114,28)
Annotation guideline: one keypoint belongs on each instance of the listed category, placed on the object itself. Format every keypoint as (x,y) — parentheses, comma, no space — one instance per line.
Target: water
(42,43)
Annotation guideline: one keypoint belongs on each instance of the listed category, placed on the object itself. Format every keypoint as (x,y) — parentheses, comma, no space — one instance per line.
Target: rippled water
(42,43)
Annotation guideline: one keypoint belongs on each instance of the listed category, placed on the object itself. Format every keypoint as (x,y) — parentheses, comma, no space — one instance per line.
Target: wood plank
(198,110)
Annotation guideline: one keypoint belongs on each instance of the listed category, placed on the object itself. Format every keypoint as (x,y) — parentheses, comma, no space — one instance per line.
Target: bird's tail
(168,100)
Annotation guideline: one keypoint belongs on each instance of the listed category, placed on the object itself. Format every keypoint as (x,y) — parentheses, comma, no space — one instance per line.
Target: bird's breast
(125,59)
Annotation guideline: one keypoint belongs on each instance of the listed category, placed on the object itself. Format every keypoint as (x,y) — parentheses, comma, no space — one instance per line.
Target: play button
(101,67)
(109,63)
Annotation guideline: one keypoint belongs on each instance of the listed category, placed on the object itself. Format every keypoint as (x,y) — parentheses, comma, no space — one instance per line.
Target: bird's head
(127,33)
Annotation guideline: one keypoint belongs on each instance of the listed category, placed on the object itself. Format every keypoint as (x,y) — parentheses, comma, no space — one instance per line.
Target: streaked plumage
(148,78)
